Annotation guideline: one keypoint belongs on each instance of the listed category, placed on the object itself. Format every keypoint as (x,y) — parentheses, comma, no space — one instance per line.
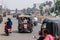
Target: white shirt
(35,19)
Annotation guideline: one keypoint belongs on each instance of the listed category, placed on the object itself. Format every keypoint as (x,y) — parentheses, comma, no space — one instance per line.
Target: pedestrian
(35,20)
(8,24)
(47,35)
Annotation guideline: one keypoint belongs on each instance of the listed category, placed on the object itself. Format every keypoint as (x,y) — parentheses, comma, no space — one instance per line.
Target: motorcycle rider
(8,24)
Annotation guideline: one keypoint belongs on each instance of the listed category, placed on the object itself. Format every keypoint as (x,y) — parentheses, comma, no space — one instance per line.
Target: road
(15,35)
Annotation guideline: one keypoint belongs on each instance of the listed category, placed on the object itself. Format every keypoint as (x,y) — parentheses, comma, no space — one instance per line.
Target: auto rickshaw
(29,24)
(53,26)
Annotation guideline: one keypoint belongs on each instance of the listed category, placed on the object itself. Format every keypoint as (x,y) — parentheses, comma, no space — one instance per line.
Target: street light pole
(2,3)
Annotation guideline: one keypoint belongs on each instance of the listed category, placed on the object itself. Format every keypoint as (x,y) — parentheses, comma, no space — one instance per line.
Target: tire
(35,24)
(18,31)
(7,32)
(31,30)
(18,27)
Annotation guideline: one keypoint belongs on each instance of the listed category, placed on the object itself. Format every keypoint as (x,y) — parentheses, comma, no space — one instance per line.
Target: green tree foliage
(48,3)
(44,5)
(58,2)
(58,6)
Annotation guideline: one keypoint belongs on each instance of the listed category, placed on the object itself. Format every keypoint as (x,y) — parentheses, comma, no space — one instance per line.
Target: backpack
(10,24)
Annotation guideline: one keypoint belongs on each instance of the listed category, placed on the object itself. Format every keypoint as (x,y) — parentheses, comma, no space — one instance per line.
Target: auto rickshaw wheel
(18,27)
(19,30)
(30,30)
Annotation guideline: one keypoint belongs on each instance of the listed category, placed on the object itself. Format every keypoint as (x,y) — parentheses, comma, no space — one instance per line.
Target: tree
(47,2)
(41,10)
(58,5)
(52,9)
(50,3)
(29,10)
(24,11)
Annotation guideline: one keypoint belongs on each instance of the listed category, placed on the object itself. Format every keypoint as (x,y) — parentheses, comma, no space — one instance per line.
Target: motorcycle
(6,30)
(35,23)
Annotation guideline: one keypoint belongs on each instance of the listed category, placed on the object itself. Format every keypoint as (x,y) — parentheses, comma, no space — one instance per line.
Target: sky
(20,4)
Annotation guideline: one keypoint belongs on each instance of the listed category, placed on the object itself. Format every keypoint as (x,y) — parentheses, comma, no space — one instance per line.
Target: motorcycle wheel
(7,32)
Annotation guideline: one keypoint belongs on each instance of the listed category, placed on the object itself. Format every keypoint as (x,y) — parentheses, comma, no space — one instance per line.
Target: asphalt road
(15,35)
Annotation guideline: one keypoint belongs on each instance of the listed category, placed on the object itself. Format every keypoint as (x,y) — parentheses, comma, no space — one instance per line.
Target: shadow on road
(3,35)
(14,31)
(20,32)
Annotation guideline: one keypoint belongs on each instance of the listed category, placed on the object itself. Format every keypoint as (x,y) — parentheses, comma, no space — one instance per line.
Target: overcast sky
(20,4)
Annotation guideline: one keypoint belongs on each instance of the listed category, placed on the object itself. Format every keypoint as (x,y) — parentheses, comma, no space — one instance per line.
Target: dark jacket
(9,23)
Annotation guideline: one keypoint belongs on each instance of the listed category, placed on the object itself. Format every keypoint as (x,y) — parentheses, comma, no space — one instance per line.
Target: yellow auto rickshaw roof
(24,16)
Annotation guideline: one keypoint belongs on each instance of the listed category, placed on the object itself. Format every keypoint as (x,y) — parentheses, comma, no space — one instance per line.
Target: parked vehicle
(21,25)
(1,19)
(52,25)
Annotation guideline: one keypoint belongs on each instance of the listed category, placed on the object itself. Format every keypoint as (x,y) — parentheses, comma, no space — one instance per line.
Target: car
(52,25)
(29,24)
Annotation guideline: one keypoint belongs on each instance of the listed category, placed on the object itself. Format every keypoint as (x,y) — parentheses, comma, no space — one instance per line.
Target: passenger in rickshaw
(30,22)
(24,22)
(20,21)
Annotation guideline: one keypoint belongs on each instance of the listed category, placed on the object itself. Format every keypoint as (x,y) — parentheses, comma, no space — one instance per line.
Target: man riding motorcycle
(8,25)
